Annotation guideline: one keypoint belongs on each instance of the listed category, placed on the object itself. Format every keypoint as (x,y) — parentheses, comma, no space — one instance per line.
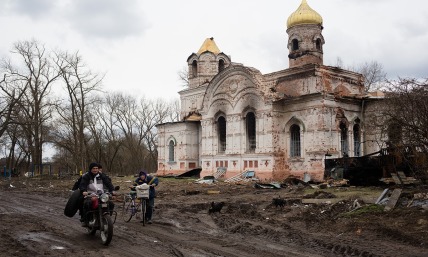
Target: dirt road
(33,224)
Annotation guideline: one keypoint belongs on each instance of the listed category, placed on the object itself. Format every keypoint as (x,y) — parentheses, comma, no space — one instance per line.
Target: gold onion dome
(210,46)
(304,15)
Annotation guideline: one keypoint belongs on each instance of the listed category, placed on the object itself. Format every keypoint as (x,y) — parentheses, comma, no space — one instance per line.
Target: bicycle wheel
(127,210)
(142,209)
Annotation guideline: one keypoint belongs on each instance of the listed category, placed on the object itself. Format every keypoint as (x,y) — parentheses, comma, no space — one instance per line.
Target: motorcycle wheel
(91,230)
(127,211)
(106,229)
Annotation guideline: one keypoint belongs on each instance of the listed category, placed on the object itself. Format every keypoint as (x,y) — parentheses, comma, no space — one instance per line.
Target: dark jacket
(77,183)
(150,180)
(89,176)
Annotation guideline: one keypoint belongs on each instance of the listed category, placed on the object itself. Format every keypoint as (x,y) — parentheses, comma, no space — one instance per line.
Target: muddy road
(33,223)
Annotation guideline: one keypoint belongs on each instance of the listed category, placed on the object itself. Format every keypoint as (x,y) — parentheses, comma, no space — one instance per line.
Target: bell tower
(305,41)
(206,63)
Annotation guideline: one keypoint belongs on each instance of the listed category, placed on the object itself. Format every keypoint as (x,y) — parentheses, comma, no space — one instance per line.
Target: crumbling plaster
(315,97)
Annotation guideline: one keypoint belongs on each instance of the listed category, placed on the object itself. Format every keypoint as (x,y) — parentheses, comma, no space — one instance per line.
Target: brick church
(236,119)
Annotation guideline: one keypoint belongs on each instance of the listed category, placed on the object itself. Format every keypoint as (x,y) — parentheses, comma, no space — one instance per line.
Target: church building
(236,119)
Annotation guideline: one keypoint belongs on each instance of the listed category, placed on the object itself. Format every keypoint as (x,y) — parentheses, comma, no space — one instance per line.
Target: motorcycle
(100,216)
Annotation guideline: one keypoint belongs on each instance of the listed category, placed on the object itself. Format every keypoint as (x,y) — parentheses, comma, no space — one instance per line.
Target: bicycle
(131,207)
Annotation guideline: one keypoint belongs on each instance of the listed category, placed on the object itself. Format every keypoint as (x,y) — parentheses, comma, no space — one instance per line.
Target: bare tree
(79,83)
(115,129)
(36,74)
(374,75)
(157,111)
(183,76)
(339,63)
(406,111)
(173,111)
(128,132)
(106,136)
(17,154)
(10,95)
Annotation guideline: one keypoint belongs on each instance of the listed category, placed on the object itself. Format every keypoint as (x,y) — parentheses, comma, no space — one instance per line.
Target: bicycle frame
(132,207)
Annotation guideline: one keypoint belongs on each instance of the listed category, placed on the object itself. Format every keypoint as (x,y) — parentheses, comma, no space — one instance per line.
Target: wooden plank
(321,201)
(237,177)
(401,174)
(368,199)
(219,173)
(393,199)
(382,195)
(396,179)
(213,192)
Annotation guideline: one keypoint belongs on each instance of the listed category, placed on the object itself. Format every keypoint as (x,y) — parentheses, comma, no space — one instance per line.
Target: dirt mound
(337,222)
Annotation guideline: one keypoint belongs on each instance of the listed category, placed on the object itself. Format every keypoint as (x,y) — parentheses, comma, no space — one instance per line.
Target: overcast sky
(141,45)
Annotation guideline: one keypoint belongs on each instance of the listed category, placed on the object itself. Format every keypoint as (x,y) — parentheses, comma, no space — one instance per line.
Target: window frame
(295,141)
(222,133)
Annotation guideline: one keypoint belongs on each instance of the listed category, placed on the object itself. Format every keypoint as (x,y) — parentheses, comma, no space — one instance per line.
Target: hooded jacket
(149,180)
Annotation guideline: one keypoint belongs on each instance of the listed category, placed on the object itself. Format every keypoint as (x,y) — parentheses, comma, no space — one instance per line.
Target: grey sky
(141,44)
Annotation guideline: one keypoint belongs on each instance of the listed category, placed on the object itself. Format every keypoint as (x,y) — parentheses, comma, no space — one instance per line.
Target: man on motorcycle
(92,182)
(77,183)
(100,170)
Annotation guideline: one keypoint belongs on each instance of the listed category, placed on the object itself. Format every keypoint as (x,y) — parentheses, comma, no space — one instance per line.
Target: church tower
(206,63)
(305,41)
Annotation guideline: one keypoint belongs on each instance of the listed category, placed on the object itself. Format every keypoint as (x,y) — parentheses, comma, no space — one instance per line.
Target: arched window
(295,141)
(220,65)
(357,143)
(318,44)
(344,139)
(250,120)
(295,44)
(171,150)
(194,69)
(221,128)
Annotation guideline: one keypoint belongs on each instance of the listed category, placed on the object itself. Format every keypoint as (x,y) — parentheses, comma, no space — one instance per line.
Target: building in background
(284,123)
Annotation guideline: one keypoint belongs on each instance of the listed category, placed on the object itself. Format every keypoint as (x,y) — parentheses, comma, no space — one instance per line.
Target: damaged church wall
(191,101)
(327,103)
(310,101)
(306,52)
(233,96)
(307,115)
(185,136)
(312,79)
(312,98)
(206,68)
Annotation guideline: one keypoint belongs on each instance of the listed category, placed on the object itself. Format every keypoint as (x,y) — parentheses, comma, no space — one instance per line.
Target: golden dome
(209,45)
(304,15)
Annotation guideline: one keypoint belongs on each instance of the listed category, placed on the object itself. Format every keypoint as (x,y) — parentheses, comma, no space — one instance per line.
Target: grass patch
(368,209)
(349,193)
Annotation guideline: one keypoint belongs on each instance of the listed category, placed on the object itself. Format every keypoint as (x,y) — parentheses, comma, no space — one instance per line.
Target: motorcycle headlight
(104,198)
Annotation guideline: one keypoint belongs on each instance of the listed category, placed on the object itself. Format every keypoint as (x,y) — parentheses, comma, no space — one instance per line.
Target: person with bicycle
(152,181)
